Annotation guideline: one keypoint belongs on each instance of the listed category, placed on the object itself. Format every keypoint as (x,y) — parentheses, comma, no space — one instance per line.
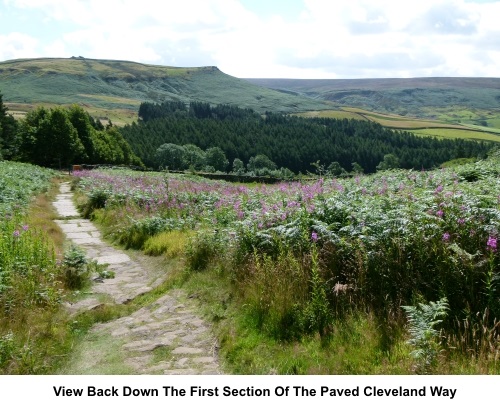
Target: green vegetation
(166,129)
(448,133)
(30,277)
(444,127)
(391,273)
(110,85)
(424,335)
(350,275)
(59,137)
(457,98)
(37,273)
(336,114)
(8,129)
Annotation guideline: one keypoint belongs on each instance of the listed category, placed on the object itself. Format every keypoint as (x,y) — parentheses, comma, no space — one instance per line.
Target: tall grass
(300,259)
(30,285)
(35,334)
(171,244)
(28,267)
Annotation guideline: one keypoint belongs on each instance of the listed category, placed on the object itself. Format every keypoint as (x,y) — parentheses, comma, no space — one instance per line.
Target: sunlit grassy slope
(452,100)
(423,127)
(396,95)
(112,90)
(109,85)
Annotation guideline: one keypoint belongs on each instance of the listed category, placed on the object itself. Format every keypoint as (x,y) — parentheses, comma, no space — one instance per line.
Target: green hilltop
(114,85)
(114,89)
(432,97)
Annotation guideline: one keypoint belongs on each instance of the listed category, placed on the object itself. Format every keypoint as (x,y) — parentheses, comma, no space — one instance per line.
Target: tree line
(221,138)
(288,141)
(58,137)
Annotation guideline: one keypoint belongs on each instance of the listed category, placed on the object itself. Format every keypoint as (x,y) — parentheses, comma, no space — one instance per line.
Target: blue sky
(258,38)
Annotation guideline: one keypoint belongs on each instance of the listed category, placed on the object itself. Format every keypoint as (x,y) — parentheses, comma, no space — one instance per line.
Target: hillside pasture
(80,67)
(438,127)
(454,133)
(400,122)
(114,84)
(336,114)
(118,116)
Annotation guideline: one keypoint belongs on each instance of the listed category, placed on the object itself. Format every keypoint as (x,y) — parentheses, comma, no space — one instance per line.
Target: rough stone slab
(204,360)
(113,259)
(120,332)
(83,305)
(141,330)
(184,371)
(146,345)
(87,241)
(186,350)
(71,228)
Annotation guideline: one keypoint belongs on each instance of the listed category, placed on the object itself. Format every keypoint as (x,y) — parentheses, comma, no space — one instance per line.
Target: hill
(454,99)
(112,85)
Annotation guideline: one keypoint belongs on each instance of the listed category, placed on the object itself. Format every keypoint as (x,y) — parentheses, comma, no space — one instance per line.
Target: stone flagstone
(167,324)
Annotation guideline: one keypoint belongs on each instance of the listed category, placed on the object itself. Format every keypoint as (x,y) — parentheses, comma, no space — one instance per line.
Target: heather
(304,259)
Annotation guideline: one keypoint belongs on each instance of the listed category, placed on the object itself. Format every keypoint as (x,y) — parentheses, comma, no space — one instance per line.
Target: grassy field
(464,98)
(112,90)
(457,133)
(122,85)
(81,67)
(336,114)
(30,283)
(118,116)
(400,122)
(438,127)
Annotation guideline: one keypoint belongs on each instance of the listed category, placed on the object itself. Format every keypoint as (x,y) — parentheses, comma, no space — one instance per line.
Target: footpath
(165,337)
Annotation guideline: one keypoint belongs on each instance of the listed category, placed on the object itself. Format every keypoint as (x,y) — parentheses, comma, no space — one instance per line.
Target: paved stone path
(170,323)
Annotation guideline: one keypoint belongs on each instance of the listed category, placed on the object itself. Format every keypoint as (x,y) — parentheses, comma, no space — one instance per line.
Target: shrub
(96,199)
(204,250)
(76,271)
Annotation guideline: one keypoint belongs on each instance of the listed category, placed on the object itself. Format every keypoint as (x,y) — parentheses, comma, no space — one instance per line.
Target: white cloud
(17,45)
(342,38)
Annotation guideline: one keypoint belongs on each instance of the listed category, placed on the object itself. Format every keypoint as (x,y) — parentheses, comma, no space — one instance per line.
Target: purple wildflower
(491,244)
(446,237)
(314,237)
(440,213)
(25,227)
(16,234)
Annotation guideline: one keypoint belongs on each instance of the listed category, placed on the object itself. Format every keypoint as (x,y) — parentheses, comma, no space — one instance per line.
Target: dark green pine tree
(81,121)
(8,133)
(59,140)
(49,139)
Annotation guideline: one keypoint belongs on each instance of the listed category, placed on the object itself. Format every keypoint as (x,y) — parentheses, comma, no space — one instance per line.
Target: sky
(304,39)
